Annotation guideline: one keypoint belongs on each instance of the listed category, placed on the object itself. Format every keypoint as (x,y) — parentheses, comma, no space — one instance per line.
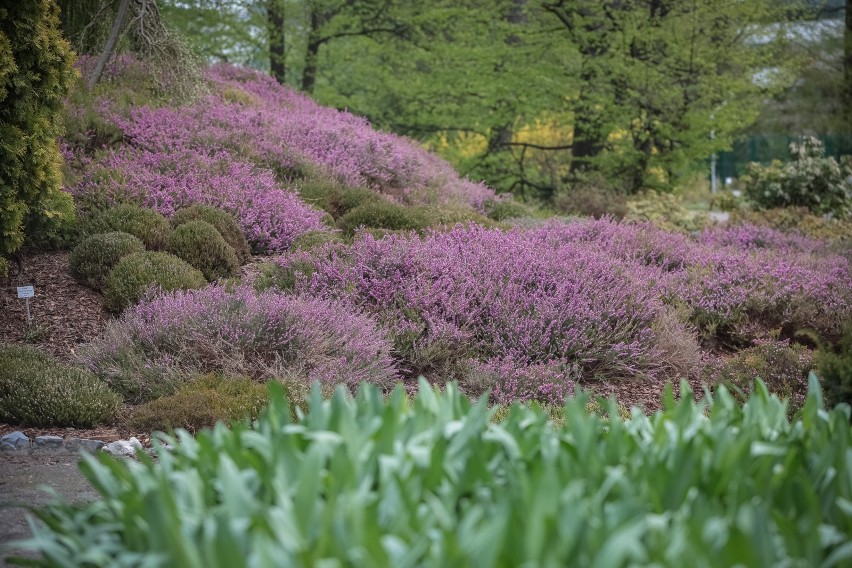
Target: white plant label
(26,291)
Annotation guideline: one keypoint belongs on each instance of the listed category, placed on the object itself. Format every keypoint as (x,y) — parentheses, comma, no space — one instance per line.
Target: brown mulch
(647,394)
(65,313)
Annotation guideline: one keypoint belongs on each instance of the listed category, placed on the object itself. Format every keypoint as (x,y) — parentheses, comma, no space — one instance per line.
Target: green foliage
(665,211)
(146,224)
(314,239)
(201,245)
(591,195)
(36,72)
(781,366)
(91,260)
(834,368)
(384,215)
(335,199)
(136,274)
(36,390)
(54,225)
(225,223)
(502,209)
(809,179)
(201,403)
(273,275)
(432,481)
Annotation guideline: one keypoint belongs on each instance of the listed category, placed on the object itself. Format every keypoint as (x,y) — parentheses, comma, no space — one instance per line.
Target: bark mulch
(65,313)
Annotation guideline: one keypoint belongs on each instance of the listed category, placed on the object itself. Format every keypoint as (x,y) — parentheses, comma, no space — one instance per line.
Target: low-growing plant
(432,481)
(145,224)
(201,403)
(834,367)
(162,343)
(200,244)
(137,274)
(223,221)
(92,259)
(384,215)
(335,199)
(591,195)
(797,220)
(808,179)
(502,209)
(36,390)
(314,239)
(783,367)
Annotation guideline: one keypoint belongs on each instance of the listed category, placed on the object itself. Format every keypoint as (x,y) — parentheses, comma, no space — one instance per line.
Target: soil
(22,482)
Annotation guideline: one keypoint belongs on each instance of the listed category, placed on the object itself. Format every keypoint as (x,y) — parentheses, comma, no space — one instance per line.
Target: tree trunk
(275,23)
(109,47)
(309,74)
(589,138)
(847,64)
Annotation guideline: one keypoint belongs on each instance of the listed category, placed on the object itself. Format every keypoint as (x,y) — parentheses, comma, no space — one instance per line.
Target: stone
(7,447)
(48,442)
(17,440)
(123,448)
(76,444)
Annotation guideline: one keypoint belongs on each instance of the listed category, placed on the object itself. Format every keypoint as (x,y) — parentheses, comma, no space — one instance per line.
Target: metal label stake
(27,292)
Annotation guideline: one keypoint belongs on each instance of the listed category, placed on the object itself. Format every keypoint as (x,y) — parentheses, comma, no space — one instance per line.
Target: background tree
(36,72)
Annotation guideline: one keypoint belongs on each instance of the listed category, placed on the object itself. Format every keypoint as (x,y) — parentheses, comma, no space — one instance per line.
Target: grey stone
(75,444)
(48,442)
(123,448)
(7,447)
(16,439)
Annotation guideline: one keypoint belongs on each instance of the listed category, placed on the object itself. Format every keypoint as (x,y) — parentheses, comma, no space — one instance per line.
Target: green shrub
(145,224)
(314,239)
(665,211)
(434,216)
(809,180)
(591,195)
(502,209)
(36,390)
(781,366)
(274,275)
(92,260)
(201,245)
(797,219)
(54,225)
(385,215)
(36,73)
(834,367)
(431,481)
(222,221)
(335,199)
(136,274)
(201,403)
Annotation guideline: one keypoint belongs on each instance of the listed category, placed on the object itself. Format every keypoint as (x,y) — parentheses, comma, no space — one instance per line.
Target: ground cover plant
(432,481)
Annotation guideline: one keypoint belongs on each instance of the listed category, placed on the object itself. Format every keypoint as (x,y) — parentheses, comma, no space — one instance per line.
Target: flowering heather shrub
(158,344)
(546,383)
(798,220)
(505,295)
(201,245)
(222,221)
(781,366)
(748,237)
(137,274)
(270,217)
(148,226)
(92,260)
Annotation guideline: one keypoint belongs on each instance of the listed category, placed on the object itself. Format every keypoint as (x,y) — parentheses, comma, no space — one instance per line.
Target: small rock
(48,442)
(17,440)
(7,447)
(75,444)
(123,448)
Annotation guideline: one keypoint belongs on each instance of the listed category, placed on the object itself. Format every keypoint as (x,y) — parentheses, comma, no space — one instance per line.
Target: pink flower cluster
(263,335)
(749,237)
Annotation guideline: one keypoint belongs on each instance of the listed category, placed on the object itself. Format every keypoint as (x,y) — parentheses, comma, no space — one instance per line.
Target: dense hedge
(201,245)
(147,225)
(36,72)
(224,222)
(136,274)
(92,259)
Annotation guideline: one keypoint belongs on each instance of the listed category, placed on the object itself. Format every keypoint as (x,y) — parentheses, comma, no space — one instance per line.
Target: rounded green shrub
(314,239)
(223,221)
(201,403)
(201,245)
(502,209)
(136,274)
(92,259)
(36,390)
(384,215)
(145,224)
(335,199)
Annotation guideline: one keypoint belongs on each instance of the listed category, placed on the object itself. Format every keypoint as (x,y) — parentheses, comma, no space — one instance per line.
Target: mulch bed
(65,314)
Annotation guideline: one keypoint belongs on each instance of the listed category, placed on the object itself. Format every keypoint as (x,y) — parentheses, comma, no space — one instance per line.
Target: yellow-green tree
(36,72)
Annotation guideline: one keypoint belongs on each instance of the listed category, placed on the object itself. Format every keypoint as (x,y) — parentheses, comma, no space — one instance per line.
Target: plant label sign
(26,291)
